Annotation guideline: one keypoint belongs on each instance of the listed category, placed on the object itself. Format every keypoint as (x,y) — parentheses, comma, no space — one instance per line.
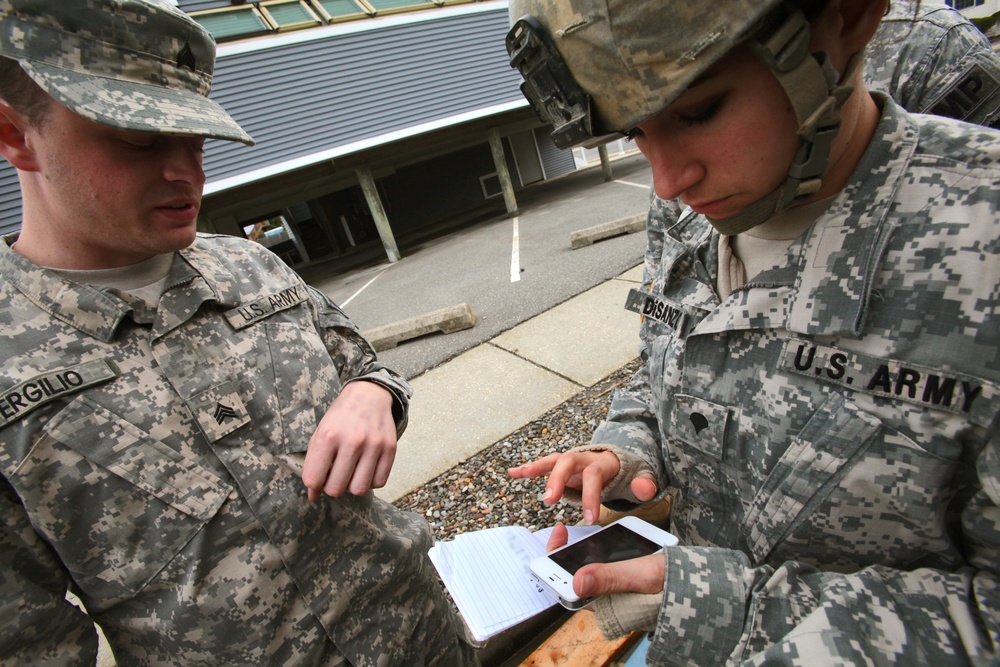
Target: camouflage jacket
(832,426)
(151,461)
(929,58)
(932,59)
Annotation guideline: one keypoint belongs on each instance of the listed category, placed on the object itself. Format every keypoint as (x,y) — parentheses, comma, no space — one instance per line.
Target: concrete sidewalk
(476,399)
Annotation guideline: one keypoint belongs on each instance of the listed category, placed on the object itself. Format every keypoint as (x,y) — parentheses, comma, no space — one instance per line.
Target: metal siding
(555,161)
(10,199)
(314,96)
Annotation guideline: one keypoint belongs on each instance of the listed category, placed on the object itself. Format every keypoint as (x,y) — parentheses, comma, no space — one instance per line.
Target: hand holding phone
(627,538)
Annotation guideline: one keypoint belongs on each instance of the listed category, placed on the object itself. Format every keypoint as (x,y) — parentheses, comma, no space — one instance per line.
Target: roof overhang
(246,178)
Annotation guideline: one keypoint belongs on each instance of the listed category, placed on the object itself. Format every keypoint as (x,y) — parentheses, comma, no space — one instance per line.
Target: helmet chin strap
(811,83)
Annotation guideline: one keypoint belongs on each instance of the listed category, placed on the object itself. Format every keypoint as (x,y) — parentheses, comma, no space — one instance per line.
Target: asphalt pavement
(472,263)
(549,319)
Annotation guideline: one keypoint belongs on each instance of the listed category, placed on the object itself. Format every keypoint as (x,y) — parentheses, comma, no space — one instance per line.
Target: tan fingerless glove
(622,613)
(620,487)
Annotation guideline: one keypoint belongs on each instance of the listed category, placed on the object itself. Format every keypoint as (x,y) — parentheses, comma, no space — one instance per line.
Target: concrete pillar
(500,162)
(291,228)
(375,205)
(602,150)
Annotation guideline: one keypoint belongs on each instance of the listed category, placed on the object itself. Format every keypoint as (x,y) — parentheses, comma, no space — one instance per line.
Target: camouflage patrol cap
(139,65)
(635,58)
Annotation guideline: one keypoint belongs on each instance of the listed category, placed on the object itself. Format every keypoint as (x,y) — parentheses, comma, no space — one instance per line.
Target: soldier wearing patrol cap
(821,383)
(189,434)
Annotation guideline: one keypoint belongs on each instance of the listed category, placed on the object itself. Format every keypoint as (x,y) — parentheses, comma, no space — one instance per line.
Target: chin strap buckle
(816,90)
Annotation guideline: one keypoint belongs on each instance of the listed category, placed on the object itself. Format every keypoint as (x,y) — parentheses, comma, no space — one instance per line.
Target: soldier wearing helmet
(928,57)
(189,434)
(821,386)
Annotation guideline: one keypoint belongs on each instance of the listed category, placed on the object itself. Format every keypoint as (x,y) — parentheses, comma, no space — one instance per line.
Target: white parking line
(363,288)
(515,256)
(636,185)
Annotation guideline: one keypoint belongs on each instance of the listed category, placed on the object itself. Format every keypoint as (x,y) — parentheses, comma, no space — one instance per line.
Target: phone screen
(606,546)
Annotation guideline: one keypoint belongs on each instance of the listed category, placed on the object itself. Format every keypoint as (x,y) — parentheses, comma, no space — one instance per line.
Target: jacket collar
(843,250)
(196,276)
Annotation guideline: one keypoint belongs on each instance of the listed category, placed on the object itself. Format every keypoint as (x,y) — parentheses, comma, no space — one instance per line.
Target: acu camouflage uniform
(931,59)
(832,425)
(151,458)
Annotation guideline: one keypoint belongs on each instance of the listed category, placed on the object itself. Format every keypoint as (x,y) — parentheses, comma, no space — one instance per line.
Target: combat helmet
(595,69)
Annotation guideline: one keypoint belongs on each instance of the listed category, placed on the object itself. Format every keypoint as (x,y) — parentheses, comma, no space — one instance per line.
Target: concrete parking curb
(590,235)
(447,320)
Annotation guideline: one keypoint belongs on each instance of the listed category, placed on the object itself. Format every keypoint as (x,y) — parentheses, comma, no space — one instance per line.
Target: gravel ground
(478,493)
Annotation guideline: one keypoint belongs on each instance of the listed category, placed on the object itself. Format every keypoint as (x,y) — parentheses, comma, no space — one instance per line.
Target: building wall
(10,199)
(317,95)
(324,92)
(439,188)
(555,161)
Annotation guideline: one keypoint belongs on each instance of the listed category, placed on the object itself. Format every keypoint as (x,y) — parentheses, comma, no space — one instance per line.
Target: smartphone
(628,537)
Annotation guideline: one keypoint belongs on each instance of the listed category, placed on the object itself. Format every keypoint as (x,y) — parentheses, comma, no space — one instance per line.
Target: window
(340,10)
(389,6)
(244,21)
(964,4)
(490,183)
(270,16)
(289,14)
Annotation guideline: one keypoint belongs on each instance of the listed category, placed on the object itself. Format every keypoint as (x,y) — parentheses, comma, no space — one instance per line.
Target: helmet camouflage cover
(635,58)
(598,68)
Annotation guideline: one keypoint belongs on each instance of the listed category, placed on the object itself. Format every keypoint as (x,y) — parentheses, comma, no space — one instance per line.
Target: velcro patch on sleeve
(969,92)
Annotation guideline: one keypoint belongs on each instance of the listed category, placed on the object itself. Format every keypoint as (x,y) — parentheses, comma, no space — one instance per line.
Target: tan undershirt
(743,256)
(144,280)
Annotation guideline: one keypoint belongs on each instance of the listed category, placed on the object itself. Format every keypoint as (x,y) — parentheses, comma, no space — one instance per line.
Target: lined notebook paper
(487,574)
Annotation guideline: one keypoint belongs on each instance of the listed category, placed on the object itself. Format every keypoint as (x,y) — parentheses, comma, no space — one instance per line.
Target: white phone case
(629,537)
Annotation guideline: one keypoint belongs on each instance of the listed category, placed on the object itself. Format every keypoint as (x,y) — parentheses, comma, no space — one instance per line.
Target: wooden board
(579,643)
